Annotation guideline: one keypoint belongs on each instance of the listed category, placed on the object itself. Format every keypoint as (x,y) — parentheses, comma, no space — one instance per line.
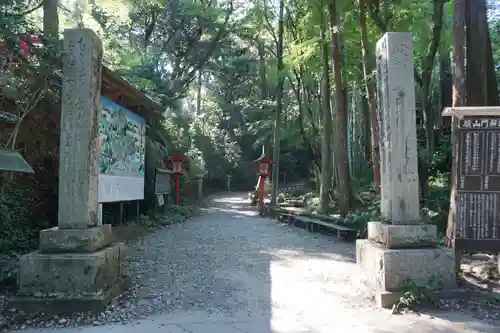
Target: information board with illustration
(122,139)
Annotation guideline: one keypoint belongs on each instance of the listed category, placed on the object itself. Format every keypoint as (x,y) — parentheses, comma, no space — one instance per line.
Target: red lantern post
(264,171)
(178,170)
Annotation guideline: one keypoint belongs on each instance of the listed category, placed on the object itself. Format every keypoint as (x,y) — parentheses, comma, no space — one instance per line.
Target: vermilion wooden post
(178,171)
(177,190)
(261,194)
(263,164)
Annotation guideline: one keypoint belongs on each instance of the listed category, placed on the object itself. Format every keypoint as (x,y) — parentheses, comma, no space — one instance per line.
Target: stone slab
(54,305)
(55,240)
(400,236)
(399,193)
(70,276)
(79,143)
(387,299)
(391,269)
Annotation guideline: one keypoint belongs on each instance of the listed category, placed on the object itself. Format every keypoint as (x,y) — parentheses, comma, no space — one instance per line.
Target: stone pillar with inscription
(401,248)
(78,267)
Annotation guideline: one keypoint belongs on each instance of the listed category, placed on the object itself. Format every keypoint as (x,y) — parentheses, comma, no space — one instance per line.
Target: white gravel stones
(225,263)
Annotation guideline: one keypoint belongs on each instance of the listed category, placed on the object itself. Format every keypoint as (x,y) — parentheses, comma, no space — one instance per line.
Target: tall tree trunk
(50,20)
(368,67)
(459,99)
(425,89)
(368,129)
(309,147)
(298,89)
(262,69)
(198,93)
(341,157)
(335,173)
(199,84)
(473,80)
(263,83)
(51,37)
(326,148)
(279,107)
(480,79)
(427,67)
(446,84)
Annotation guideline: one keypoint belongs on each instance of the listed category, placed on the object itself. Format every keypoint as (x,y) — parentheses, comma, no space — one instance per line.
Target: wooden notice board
(477,177)
(162,181)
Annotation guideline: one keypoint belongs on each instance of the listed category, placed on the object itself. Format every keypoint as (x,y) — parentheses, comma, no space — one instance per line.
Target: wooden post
(121,212)
(99,222)
(138,209)
(261,195)
(200,187)
(177,190)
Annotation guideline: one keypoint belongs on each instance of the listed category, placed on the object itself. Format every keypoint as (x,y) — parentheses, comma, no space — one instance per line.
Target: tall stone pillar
(399,192)
(401,248)
(78,267)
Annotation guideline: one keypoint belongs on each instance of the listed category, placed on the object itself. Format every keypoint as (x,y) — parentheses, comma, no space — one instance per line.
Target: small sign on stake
(162,181)
(159,198)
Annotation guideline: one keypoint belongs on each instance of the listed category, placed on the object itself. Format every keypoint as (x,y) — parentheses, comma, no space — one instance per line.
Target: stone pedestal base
(70,282)
(395,236)
(389,270)
(55,240)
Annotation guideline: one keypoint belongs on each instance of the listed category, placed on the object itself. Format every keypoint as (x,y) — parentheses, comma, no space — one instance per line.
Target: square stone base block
(88,279)
(55,240)
(387,299)
(389,270)
(53,305)
(395,236)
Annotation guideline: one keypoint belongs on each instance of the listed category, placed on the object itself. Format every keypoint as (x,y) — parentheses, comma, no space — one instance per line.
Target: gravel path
(230,271)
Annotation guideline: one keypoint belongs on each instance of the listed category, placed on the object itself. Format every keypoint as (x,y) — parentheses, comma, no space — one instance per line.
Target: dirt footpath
(230,271)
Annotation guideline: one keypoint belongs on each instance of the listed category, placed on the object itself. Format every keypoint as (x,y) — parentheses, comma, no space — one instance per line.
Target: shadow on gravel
(288,251)
(229,271)
(458,326)
(240,209)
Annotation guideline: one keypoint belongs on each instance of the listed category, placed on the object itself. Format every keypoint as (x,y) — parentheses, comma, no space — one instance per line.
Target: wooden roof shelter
(125,94)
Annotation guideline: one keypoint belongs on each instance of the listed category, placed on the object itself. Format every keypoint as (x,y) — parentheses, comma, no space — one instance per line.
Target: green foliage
(27,204)
(416,297)
(22,83)
(495,41)
(164,57)
(368,212)
(165,44)
(175,214)
(19,221)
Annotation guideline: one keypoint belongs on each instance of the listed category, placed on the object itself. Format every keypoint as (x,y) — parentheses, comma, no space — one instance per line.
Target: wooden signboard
(162,181)
(477,177)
